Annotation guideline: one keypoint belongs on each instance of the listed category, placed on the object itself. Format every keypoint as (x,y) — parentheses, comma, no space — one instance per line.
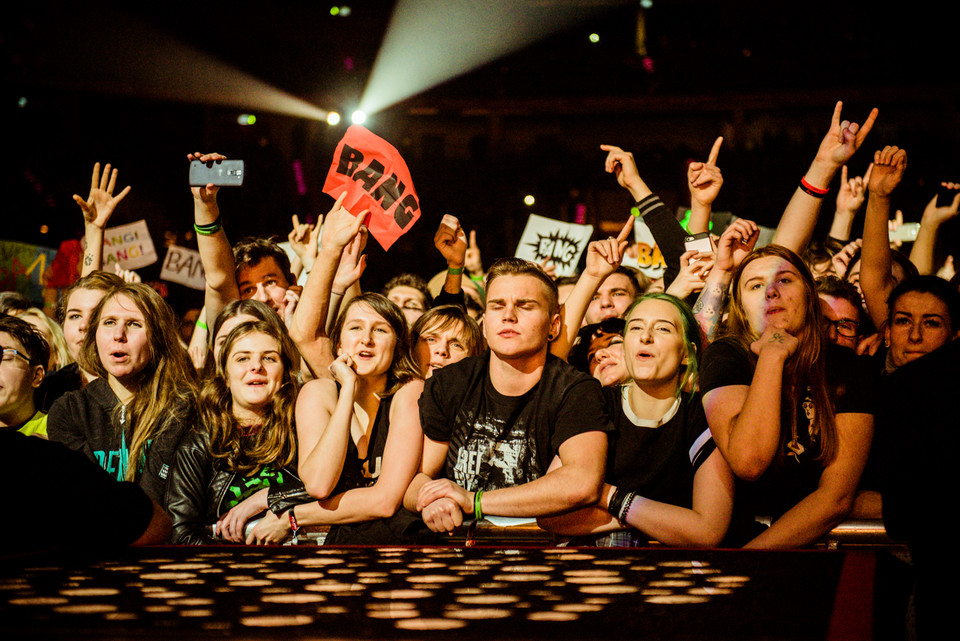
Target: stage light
(646,4)
(246,119)
(333,118)
(334,11)
(358,117)
(44,229)
(22,102)
(431,41)
(529,200)
(594,38)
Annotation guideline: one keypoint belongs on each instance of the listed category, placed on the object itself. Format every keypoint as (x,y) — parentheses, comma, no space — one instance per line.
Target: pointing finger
(715,151)
(626,230)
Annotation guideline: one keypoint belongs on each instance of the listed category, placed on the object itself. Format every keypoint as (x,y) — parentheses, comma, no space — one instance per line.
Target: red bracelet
(816,192)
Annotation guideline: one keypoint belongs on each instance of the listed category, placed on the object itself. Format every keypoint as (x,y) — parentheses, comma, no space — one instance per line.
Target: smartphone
(223,173)
(945,196)
(907,232)
(698,242)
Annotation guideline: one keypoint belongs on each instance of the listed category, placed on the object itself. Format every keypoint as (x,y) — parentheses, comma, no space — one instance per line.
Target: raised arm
(308,328)
(843,139)
(921,254)
(876,279)
(97,209)
(850,198)
(324,418)
(735,243)
(451,241)
(215,251)
(603,257)
(704,181)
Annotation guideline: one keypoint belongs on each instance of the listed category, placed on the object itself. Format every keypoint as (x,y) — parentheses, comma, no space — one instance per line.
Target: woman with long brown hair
(789,411)
(246,444)
(130,419)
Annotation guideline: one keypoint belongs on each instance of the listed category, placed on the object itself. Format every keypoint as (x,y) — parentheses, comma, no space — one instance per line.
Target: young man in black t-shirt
(494,423)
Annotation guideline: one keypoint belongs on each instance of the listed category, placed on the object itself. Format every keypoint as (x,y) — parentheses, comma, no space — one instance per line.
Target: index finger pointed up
(296,222)
(843,175)
(473,238)
(626,230)
(715,151)
(867,125)
(866,176)
(835,120)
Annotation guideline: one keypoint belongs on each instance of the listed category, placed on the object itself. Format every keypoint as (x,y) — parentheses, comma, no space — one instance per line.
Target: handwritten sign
(182,265)
(375,177)
(22,268)
(562,243)
(129,245)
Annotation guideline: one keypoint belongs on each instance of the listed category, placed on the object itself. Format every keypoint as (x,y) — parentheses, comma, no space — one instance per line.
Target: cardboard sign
(649,259)
(375,177)
(182,265)
(562,243)
(130,245)
(22,268)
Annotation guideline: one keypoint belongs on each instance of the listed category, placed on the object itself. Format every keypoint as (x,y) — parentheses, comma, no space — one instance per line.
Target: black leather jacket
(198,486)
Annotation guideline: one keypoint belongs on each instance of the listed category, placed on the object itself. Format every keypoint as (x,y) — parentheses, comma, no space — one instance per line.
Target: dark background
(764,75)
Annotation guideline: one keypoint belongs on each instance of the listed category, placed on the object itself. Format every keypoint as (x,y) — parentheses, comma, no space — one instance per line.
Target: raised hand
(344,370)
(853,191)
(207,193)
(128,275)
(735,243)
(704,179)
(451,241)
(844,138)
(939,215)
(341,226)
(299,236)
(100,203)
(888,167)
(621,164)
(694,268)
(841,260)
(604,256)
(471,259)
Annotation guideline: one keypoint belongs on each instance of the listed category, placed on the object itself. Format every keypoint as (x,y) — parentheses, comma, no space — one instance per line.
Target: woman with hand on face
(665,479)
(231,469)
(359,431)
(790,411)
(131,418)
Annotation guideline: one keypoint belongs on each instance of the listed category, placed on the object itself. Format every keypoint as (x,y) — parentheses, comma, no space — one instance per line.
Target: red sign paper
(375,177)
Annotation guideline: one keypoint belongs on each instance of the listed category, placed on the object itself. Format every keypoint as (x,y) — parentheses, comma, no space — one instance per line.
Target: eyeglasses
(845,327)
(10,355)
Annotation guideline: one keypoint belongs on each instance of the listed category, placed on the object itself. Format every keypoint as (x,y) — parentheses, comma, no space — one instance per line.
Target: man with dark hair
(844,318)
(515,431)
(263,271)
(614,296)
(411,295)
(25,353)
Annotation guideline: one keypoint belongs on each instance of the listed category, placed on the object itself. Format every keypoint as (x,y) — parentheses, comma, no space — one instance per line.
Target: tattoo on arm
(707,309)
(88,259)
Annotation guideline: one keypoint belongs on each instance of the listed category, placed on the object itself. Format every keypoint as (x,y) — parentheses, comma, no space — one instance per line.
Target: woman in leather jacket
(241,460)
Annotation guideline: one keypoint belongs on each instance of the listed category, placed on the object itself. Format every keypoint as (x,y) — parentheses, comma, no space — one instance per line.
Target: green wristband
(456,271)
(201,325)
(477,512)
(208,230)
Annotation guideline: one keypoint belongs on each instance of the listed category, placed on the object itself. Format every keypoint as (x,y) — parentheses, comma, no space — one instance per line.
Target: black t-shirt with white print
(499,441)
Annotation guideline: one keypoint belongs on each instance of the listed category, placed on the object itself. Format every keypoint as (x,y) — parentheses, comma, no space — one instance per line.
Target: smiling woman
(245,454)
(131,418)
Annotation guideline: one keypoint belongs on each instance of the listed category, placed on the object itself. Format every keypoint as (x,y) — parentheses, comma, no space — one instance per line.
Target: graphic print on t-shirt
(497,453)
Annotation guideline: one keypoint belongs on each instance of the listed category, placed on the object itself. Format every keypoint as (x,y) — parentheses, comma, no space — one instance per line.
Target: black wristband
(616,503)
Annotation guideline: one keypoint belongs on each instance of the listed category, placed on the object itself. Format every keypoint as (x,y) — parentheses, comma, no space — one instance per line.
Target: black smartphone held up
(222,173)
(698,242)
(945,196)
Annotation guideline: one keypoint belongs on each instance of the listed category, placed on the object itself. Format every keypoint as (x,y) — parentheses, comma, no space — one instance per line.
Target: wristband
(455,271)
(477,279)
(477,512)
(208,230)
(294,526)
(616,502)
(627,501)
(816,192)
(201,325)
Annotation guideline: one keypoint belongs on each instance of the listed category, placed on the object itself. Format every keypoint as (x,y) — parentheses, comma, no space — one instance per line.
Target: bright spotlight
(528,200)
(246,119)
(358,117)
(594,38)
(333,118)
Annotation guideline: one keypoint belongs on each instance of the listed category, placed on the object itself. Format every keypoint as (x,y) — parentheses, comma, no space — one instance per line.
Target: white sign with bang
(554,240)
